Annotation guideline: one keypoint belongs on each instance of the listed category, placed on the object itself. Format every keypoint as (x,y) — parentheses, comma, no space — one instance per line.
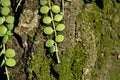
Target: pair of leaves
(50,42)
(47,20)
(9,61)
(10,53)
(45,9)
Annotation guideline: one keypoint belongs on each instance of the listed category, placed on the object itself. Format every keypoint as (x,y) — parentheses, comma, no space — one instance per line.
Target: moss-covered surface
(70,67)
(90,49)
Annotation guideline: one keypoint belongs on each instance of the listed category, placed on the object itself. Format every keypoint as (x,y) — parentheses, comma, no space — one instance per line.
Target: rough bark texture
(89,52)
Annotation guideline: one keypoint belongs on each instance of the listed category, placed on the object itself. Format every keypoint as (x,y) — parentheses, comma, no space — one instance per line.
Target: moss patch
(70,68)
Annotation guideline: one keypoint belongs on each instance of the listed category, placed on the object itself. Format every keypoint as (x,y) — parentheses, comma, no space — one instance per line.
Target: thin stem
(6,70)
(53,23)
(18,5)
(7,74)
(63,7)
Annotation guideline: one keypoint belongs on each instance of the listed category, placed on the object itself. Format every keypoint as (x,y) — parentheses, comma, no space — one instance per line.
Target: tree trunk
(90,50)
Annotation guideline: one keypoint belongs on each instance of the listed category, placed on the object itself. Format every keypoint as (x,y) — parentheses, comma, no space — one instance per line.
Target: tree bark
(90,50)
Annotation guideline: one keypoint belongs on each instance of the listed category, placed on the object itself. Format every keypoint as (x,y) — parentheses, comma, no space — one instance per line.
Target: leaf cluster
(55,19)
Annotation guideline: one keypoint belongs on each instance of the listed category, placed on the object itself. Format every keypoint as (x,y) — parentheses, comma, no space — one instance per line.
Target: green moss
(78,62)
(39,67)
(70,67)
(71,63)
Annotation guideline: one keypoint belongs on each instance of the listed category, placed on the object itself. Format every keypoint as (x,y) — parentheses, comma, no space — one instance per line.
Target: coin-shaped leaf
(47,20)
(10,53)
(2,20)
(43,2)
(10,62)
(3,30)
(44,9)
(58,17)
(48,30)
(59,38)
(52,49)
(49,43)
(10,19)
(5,39)
(60,27)
(55,9)
(10,26)
(5,2)
(5,11)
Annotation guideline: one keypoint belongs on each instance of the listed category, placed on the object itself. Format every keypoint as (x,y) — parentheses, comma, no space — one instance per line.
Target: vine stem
(7,74)
(6,70)
(19,3)
(53,23)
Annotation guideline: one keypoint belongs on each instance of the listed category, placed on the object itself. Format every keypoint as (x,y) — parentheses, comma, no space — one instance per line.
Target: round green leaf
(60,27)
(55,9)
(10,19)
(3,30)
(48,30)
(10,62)
(10,26)
(52,49)
(58,17)
(9,32)
(44,9)
(5,39)
(49,43)
(47,20)
(2,20)
(5,2)
(5,11)
(43,2)
(10,53)
(59,38)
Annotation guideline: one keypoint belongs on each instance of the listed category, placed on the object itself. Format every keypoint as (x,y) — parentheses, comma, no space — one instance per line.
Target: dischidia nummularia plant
(44,9)
(2,19)
(5,11)
(53,17)
(5,3)
(6,28)
(47,20)
(60,27)
(3,30)
(48,30)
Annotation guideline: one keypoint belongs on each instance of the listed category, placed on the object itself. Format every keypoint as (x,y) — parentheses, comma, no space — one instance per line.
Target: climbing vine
(53,20)
(6,30)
